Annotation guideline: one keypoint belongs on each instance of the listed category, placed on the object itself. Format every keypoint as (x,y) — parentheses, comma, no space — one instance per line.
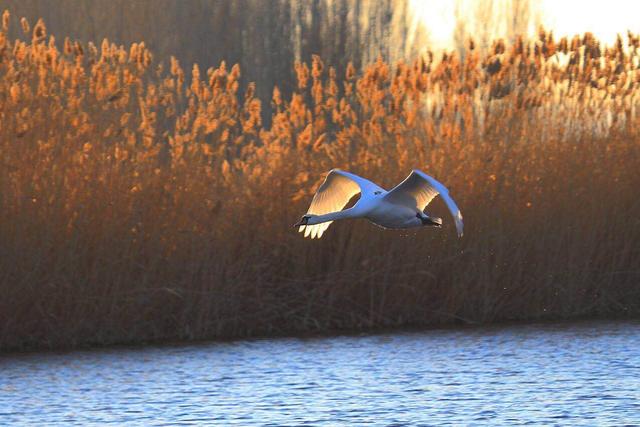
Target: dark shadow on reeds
(140,203)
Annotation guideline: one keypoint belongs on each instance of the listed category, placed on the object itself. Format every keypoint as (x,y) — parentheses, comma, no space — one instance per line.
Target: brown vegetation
(264,37)
(139,202)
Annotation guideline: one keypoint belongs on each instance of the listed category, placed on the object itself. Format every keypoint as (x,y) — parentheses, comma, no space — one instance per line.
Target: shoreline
(325,334)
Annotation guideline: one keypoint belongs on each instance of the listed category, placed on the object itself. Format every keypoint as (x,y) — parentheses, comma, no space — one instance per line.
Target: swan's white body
(401,207)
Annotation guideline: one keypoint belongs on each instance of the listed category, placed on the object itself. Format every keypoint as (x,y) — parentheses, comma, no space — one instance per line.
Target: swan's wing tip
(444,193)
(459,223)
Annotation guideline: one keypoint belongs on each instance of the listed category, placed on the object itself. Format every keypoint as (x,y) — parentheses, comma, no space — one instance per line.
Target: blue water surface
(541,374)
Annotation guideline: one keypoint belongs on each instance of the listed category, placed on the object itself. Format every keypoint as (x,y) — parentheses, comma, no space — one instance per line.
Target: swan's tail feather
(432,221)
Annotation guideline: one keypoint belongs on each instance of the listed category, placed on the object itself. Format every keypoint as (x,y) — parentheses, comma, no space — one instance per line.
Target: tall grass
(141,202)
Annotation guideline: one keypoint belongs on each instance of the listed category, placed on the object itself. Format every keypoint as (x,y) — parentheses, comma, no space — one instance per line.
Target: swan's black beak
(303,221)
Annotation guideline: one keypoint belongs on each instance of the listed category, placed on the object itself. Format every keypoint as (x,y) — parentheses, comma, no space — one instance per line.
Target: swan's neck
(333,216)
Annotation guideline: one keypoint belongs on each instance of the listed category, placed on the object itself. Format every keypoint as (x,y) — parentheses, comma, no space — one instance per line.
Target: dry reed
(140,202)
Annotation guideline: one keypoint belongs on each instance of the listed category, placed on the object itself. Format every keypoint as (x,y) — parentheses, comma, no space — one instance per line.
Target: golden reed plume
(142,203)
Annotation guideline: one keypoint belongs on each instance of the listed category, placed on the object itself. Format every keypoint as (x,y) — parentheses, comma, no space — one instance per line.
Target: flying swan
(401,207)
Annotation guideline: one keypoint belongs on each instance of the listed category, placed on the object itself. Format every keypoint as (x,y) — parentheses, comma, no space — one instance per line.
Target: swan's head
(303,221)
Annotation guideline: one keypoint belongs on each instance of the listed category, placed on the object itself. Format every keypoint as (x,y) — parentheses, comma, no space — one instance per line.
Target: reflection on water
(580,374)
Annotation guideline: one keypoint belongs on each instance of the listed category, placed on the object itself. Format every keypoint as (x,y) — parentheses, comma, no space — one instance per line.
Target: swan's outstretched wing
(333,195)
(418,190)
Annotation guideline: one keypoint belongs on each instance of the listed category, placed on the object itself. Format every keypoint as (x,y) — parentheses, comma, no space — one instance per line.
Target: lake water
(564,374)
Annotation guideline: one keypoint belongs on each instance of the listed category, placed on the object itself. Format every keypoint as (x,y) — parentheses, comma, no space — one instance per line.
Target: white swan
(401,207)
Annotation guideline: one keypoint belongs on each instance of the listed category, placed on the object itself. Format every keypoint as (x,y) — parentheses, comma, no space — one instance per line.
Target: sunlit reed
(142,202)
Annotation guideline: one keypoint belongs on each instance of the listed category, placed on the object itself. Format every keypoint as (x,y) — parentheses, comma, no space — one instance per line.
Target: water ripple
(581,374)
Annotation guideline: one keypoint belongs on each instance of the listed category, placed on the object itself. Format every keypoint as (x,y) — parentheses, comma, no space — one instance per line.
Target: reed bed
(141,202)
